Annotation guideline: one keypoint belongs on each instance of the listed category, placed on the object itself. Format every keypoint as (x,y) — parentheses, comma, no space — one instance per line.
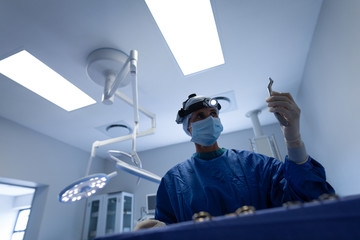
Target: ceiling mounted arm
(102,68)
(112,83)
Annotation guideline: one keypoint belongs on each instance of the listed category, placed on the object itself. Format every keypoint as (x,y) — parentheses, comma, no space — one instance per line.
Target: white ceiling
(260,38)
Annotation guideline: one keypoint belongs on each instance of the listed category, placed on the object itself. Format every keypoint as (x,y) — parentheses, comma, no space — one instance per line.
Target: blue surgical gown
(236,178)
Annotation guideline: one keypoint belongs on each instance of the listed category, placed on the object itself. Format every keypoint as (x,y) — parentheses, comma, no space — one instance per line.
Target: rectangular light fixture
(189,29)
(31,73)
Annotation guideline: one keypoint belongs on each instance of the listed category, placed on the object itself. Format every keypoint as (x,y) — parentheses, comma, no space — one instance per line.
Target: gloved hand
(149,223)
(284,104)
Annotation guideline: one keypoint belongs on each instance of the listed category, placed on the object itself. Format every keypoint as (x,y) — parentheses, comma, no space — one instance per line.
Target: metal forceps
(279,117)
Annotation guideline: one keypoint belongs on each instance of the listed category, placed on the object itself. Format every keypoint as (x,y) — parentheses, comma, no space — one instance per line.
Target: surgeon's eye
(200,116)
(214,114)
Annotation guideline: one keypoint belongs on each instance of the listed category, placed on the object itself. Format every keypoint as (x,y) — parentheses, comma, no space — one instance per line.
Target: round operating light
(83,188)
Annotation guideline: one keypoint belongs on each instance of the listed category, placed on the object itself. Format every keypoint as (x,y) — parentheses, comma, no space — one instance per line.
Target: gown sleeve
(164,211)
(307,180)
(289,181)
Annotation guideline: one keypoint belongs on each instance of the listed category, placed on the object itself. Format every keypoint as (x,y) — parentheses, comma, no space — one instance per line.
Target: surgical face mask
(206,132)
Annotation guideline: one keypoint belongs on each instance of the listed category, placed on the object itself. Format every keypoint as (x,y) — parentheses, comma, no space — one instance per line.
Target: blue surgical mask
(206,132)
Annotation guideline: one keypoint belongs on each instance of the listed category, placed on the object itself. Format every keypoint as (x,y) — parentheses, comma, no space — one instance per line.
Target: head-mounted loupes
(194,103)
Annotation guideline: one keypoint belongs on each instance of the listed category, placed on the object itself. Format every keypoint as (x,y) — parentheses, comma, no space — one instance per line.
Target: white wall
(30,156)
(330,92)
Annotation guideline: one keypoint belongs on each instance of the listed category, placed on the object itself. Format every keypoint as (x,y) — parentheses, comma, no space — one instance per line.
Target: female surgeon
(219,180)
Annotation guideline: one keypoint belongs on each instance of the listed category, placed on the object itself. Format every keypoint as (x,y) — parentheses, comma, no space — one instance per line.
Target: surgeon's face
(202,114)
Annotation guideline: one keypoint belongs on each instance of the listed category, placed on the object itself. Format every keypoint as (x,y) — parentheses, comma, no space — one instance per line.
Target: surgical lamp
(85,187)
(113,69)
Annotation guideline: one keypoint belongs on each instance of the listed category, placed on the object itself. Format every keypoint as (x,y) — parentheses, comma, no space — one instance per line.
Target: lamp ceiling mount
(106,62)
(110,68)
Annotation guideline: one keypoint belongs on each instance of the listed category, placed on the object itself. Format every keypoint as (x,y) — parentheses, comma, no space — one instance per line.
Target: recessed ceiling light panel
(189,29)
(33,74)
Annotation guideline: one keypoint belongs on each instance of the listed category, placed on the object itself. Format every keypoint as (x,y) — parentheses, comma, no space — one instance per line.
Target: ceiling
(260,38)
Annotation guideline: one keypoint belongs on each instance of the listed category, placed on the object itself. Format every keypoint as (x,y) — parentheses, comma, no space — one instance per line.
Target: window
(21,223)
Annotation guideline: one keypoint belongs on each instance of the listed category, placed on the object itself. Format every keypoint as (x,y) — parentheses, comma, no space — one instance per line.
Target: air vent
(116,129)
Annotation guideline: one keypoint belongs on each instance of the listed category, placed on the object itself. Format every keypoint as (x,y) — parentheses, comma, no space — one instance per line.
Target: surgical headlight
(194,103)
